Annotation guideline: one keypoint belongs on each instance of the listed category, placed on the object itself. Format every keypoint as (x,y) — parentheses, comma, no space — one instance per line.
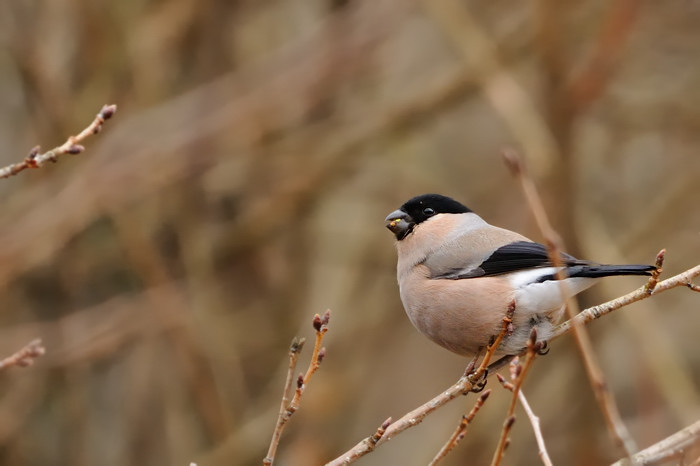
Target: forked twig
(461,430)
(320,325)
(71,146)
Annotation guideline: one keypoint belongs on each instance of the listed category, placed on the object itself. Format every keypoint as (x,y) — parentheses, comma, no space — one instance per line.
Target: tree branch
(25,356)
(71,146)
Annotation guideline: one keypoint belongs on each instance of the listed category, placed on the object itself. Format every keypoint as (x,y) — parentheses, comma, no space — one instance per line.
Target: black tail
(597,271)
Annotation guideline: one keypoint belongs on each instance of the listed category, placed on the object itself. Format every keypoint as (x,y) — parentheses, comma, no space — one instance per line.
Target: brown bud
(317,323)
(297,344)
(75,149)
(34,152)
(300,381)
(517,371)
(510,421)
(326,317)
(387,423)
(321,355)
(485,395)
(108,111)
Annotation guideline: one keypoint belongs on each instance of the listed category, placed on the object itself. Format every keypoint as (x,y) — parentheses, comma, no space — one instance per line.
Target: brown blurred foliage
(242,188)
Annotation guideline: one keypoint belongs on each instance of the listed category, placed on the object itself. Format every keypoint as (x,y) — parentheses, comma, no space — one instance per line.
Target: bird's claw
(478,384)
(542,348)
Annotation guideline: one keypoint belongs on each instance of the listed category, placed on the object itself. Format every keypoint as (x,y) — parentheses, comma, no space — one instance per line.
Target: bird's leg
(476,377)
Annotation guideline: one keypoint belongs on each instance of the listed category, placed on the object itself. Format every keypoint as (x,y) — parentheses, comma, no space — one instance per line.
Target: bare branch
(676,446)
(506,329)
(320,325)
(535,421)
(653,281)
(613,420)
(71,146)
(25,356)
(461,430)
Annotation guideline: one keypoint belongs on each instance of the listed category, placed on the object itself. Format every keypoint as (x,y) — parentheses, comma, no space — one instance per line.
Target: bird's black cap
(422,207)
(418,209)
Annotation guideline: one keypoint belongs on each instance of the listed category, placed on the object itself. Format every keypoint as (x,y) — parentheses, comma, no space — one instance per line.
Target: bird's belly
(463,315)
(453,317)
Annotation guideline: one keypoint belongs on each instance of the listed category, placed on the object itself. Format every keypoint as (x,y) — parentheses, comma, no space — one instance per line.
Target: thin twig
(320,325)
(25,356)
(294,350)
(461,430)
(506,329)
(371,442)
(71,146)
(410,419)
(611,413)
(518,373)
(535,421)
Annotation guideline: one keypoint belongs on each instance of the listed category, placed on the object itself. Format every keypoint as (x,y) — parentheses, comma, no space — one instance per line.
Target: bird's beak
(400,223)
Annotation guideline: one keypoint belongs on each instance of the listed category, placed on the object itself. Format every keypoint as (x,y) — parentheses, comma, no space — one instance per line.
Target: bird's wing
(511,257)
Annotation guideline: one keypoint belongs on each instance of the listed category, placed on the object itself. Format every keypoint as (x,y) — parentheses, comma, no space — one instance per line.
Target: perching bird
(457,276)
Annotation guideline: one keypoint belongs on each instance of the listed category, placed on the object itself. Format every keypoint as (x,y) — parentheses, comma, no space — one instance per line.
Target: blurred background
(242,186)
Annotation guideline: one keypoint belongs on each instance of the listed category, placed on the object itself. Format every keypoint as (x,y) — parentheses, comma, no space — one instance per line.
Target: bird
(458,274)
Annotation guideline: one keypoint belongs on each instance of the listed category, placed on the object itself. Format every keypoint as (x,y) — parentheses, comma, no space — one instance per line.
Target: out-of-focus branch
(507,97)
(25,356)
(679,446)
(320,325)
(613,420)
(71,146)
(587,86)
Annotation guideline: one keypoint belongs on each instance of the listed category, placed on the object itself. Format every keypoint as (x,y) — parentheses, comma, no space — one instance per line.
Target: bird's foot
(542,347)
(478,381)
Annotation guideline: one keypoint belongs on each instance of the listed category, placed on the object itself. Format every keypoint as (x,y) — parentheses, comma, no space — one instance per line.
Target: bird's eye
(428,211)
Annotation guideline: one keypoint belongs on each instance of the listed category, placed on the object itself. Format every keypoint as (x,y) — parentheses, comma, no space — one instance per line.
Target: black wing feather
(527,255)
(513,257)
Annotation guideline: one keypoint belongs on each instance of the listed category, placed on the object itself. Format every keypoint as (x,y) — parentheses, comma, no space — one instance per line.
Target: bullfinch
(457,276)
